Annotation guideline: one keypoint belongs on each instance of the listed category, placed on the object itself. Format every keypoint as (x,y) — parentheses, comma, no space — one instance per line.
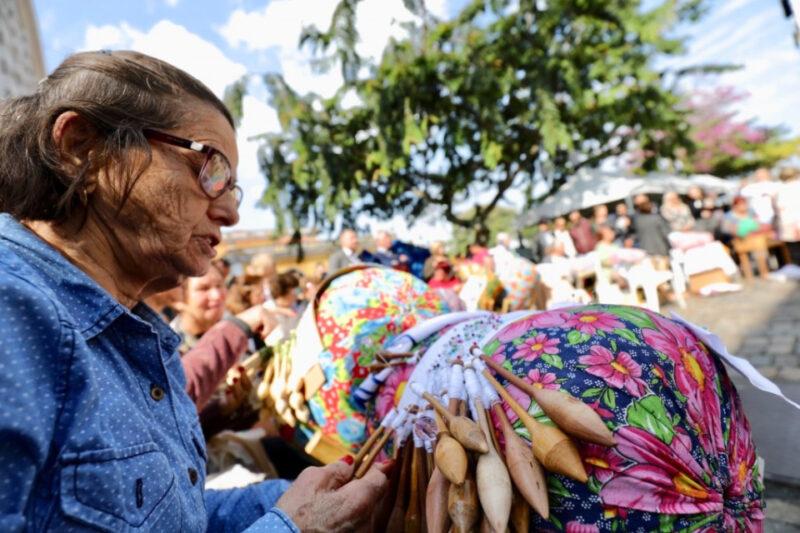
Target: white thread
(389,418)
(456,387)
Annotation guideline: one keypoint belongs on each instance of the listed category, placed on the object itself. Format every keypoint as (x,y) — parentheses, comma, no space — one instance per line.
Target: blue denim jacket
(96,430)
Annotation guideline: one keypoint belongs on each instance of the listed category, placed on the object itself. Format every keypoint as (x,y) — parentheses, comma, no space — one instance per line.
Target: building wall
(21,62)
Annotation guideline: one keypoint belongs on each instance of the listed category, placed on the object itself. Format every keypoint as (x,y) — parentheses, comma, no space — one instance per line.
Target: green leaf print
(594,485)
(492,347)
(556,487)
(665,523)
(591,393)
(701,522)
(574,337)
(553,360)
(609,398)
(636,317)
(613,346)
(649,414)
(628,335)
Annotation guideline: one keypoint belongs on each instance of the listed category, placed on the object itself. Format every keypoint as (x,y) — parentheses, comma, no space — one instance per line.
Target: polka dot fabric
(84,444)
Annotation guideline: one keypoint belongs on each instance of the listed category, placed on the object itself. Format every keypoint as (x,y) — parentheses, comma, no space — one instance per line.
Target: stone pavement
(762,324)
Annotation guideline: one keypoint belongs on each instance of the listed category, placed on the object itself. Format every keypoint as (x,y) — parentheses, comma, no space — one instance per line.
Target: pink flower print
(535,346)
(499,355)
(666,479)
(694,377)
(391,391)
(741,452)
(589,322)
(602,462)
(521,398)
(604,413)
(577,527)
(620,371)
(692,364)
(546,319)
(542,381)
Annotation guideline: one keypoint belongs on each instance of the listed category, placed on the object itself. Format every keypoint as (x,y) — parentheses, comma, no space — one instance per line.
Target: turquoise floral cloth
(358,312)
(684,461)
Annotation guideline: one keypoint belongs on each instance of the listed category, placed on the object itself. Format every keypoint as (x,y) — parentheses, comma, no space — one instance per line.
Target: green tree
(507,94)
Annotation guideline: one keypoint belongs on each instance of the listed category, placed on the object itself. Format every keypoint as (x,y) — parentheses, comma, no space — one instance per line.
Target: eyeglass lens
(216,176)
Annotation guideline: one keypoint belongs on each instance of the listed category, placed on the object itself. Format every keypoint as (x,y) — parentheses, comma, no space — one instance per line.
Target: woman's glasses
(216,175)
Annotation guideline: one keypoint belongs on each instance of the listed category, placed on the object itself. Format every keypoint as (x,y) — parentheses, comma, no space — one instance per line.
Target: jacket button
(156,392)
(193,476)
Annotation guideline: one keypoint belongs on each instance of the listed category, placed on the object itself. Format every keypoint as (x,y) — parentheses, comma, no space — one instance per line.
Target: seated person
(283,306)
(444,277)
(607,250)
(739,221)
(203,306)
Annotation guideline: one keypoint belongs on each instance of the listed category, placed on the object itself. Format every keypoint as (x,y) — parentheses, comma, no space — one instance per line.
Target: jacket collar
(91,307)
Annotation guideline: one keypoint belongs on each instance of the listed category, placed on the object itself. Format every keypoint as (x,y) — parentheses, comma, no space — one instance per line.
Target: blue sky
(220,40)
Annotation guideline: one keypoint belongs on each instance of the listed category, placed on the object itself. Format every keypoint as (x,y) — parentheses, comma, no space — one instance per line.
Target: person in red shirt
(444,277)
(582,233)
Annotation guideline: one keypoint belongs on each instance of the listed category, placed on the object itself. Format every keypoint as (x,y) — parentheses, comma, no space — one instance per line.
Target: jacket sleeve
(251,508)
(205,365)
(36,349)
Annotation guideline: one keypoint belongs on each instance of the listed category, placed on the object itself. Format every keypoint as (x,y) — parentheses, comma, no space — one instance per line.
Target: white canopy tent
(589,188)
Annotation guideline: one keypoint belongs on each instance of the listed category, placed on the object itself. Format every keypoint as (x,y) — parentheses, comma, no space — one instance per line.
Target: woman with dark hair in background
(651,230)
(116,177)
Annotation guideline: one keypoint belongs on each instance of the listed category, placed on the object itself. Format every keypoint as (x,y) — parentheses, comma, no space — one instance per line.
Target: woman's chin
(195,266)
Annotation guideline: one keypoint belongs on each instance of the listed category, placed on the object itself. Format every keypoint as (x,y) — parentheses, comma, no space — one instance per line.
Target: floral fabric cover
(518,276)
(358,312)
(684,461)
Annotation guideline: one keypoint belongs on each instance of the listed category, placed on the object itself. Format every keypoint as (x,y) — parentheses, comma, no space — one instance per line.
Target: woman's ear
(74,137)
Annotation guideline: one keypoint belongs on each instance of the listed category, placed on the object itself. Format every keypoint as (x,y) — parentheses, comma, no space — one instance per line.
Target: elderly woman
(117,175)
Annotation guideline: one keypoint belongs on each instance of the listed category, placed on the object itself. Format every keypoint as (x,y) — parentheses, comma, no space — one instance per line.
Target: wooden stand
(759,245)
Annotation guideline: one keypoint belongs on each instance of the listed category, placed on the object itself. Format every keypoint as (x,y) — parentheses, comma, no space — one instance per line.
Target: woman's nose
(224,210)
(216,295)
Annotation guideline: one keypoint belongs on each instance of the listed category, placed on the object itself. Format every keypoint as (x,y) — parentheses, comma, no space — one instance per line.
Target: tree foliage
(500,219)
(507,94)
(726,145)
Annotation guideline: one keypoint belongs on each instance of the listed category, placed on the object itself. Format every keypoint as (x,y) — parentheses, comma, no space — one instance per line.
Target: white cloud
(171,3)
(743,32)
(278,25)
(172,43)
(257,118)
(105,37)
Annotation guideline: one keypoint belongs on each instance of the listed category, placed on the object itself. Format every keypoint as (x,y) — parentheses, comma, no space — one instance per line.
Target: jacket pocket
(119,489)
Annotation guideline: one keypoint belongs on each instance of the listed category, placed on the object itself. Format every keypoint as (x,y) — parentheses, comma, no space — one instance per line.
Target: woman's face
(168,228)
(205,298)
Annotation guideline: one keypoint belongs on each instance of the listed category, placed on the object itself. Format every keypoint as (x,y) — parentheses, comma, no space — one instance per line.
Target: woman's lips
(207,245)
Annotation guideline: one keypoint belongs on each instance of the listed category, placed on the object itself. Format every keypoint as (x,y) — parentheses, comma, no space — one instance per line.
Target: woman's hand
(260,321)
(237,391)
(324,499)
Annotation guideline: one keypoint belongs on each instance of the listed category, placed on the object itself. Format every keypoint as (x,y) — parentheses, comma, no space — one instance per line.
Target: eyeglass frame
(209,151)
